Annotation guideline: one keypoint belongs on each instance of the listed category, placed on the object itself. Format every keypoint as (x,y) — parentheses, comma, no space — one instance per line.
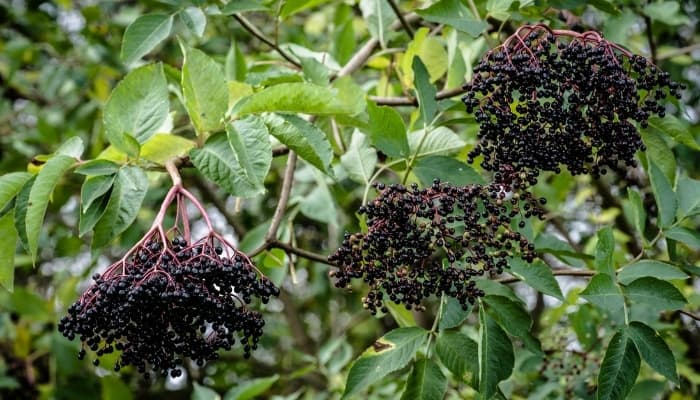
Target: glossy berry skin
(433,241)
(547,98)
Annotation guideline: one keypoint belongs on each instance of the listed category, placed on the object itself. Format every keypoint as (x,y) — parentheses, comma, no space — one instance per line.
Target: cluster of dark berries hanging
(433,241)
(546,98)
(171,299)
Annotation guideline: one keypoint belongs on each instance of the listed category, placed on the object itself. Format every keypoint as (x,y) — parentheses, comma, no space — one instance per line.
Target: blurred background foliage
(59,61)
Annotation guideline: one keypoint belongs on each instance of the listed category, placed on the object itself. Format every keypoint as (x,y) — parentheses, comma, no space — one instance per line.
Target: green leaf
(652,268)
(668,12)
(204,393)
(378,16)
(8,247)
(603,293)
(309,142)
(455,14)
(125,201)
(458,353)
(426,382)
(39,196)
(21,205)
(537,275)
(93,188)
(205,91)
(389,353)
(675,128)
(447,169)
(440,141)
(97,167)
(251,389)
(137,108)
(359,159)
(10,185)
(605,5)
(498,9)
(314,71)
(114,388)
(387,131)
(453,314)
(319,204)
(235,68)
(194,19)
(292,7)
(425,91)
(688,196)
(143,35)
(296,97)
(90,216)
(619,369)
(241,6)
(639,214)
(689,237)
(432,54)
(513,318)
(654,350)
(218,160)
(163,147)
(664,195)
(655,294)
(403,317)
(73,147)
(604,251)
(659,152)
(496,357)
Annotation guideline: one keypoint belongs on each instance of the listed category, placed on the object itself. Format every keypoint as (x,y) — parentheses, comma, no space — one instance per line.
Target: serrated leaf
(205,91)
(659,152)
(97,167)
(137,108)
(389,353)
(93,188)
(425,91)
(440,141)
(688,196)
(387,131)
(604,251)
(296,97)
(652,268)
(655,294)
(689,237)
(453,314)
(663,193)
(21,205)
(163,147)
(308,141)
(654,350)
(8,247)
(603,293)
(143,35)
(447,169)
(92,215)
(619,369)
(10,185)
(455,14)
(240,6)
(537,275)
(514,319)
(46,181)
(194,19)
(249,390)
(426,382)
(675,128)
(496,357)
(128,192)
(359,159)
(458,353)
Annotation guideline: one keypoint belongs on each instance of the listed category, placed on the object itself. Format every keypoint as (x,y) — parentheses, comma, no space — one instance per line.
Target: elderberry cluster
(169,301)
(547,98)
(433,241)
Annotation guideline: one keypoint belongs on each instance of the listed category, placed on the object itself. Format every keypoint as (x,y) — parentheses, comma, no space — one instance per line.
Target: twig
(689,314)
(284,197)
(280,151)
(412,101)
(556,272)
(358,59)
(255,32)
(399,15)
(650,39)
(679,51)
(299,252)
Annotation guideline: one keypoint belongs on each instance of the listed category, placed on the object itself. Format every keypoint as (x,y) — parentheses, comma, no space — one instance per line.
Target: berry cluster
(169,300)
(546,98)
(411,231)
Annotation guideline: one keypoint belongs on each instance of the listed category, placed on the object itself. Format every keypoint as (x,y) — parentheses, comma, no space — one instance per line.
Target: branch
(556,272)
(280,151)
(300,252)
(689,314)
(284,197)
(358,59)
(255,32)
(650,39)
(679,51)
(399,15)
(412,101)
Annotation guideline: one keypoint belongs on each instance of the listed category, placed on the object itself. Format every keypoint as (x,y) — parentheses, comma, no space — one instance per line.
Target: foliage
(281,116)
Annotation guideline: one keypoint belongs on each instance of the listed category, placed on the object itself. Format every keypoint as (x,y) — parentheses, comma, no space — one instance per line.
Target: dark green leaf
(97,167)
(619,369)
(652,268)
(603,293)
(455,14)
(359,159)
(250,141)
(688,196)
(664,195)
(93,188)
(21,204)
(90,216)
(458,353)
(675,128)
(309,142)
(194,19)
(240,6)
(655,294)
(447,169)
(205,91)
(425,91)
(8,247)
(426,382)
(659,152)
(496,357)
(689,237)
(137,108)
(387,131)
(389,353)
(114,388)
(10,185)
(453,314)
(249,390)
(513,318)
(604,251)
(654,350)
(45,182)
(143,35)
(537,275)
